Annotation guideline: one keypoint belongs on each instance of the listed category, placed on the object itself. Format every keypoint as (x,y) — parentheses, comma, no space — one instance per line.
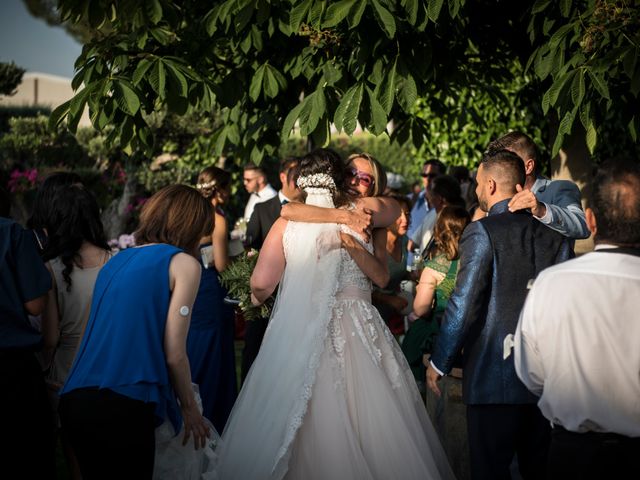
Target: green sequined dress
(421,335)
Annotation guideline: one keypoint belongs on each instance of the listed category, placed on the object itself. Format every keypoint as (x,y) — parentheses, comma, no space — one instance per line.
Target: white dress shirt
(263,195)
(577,344)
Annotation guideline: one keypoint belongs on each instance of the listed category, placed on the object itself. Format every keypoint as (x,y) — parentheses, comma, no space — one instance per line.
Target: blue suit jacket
(499,254)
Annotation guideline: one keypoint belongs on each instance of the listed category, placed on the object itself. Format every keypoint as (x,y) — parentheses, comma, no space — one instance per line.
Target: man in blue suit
(556,203)
(499,255)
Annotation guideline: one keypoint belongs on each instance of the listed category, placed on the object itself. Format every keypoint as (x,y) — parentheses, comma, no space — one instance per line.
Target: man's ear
(590,217)
(493,186)
(529,166)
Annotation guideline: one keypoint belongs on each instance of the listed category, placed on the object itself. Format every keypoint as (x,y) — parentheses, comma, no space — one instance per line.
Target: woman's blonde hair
(379,175)
(450,224)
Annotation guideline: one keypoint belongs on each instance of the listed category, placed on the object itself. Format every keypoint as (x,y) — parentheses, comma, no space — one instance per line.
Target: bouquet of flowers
(235,278)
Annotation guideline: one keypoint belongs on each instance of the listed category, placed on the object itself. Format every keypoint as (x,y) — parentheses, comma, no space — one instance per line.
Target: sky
(32,44)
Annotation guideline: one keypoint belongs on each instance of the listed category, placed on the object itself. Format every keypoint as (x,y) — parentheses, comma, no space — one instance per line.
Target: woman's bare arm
(50,321)
(184,274)
(358,219)
(270,266)
(219,240)
(373,266)
(426,291)
(384,210)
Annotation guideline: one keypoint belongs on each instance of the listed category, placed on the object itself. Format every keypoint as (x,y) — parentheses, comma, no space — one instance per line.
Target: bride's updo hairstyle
(323,168)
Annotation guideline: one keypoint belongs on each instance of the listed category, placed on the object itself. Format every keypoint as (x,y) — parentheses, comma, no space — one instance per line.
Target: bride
(330,395)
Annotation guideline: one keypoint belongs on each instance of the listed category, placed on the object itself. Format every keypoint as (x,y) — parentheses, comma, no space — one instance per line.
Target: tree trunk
(573,162)
(116,215)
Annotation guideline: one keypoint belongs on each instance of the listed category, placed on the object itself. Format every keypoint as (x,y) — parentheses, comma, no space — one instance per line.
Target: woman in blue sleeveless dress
(132,362)
(210,344)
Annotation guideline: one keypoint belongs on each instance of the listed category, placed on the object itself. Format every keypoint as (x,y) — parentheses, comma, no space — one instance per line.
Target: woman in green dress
(434,288)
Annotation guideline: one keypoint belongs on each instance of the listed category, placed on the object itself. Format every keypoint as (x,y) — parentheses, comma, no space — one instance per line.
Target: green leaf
(577,88)
(162,35)
(565,7)
(273,81)
(154,10)
(321,136)
(307,121)
(290,121)
(355,14)
(539,6)
(96,15)
(407,93)
(378,115)
(543,65)
(126,97)
(211,20)
(632,129)
(559,35)
(585,114)
(629,61)
(433,9)
(566,123)
(546,102)
(178,78)
(385,19)
(256,83)
(558,85)
(600,85)
(58,114)
(337,12)
(297,15)
(557,145)
(158,79)
(315,13)
(387,90)
(591,137)
(233,134)
(411,6)
(141,70)
(345,117)
(221,139)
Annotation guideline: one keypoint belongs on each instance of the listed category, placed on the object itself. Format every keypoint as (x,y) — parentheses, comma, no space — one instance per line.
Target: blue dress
(122,348)
(210,347)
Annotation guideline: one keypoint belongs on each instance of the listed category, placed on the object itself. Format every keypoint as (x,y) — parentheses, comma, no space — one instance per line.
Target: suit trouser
(593,455)
(253,334)
(498,432)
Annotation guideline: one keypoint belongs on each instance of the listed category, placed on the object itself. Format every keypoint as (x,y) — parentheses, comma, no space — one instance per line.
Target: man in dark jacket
(499,255)
(263,217)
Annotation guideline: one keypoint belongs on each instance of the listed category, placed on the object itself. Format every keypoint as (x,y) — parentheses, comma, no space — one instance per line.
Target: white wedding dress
(330,395)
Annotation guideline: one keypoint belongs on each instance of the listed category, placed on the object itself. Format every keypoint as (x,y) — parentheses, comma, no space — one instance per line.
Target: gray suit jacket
(564,209)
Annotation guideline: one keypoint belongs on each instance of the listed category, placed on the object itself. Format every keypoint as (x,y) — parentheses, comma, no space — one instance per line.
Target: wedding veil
(271,406)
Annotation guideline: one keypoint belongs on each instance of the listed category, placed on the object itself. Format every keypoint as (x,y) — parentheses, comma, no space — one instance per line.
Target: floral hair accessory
(317,180)
(202,186)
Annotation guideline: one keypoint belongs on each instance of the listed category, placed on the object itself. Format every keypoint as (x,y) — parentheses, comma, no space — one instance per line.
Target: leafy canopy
(269,66)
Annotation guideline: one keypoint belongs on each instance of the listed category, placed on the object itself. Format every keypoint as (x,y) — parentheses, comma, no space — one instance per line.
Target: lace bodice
(350,273)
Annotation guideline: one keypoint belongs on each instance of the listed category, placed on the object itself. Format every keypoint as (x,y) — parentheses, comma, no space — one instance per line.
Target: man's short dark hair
(506,167)
(290,165)
(435,163)
(448,188)
(615,201)
(254,167)
(517,141)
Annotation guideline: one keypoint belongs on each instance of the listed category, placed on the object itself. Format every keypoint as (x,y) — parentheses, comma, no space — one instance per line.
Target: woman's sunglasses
(364,178)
